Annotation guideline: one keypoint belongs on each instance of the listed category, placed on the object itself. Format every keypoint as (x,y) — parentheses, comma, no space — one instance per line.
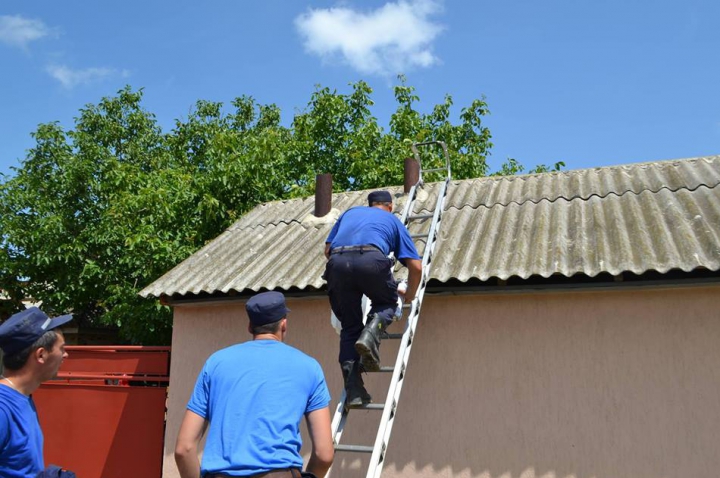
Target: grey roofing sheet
(634,218)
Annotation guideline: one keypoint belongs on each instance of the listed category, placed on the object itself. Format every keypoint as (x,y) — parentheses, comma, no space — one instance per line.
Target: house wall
(606,384)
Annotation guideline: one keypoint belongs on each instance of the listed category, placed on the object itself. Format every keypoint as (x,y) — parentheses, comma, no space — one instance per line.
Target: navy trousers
(350,275)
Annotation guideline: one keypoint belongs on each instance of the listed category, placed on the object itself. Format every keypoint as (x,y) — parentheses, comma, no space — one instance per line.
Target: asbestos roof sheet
(635,218)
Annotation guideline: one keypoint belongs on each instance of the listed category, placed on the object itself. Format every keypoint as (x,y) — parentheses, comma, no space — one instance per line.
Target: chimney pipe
(323,194)
(412,174)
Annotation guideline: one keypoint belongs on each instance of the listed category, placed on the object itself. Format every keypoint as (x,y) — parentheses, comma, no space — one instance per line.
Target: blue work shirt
(21,440)
(254,395)
(364,225)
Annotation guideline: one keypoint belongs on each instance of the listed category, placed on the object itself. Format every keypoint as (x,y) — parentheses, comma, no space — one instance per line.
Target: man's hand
(402,289)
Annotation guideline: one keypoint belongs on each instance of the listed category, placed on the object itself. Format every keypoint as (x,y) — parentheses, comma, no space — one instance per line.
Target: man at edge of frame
(33,350)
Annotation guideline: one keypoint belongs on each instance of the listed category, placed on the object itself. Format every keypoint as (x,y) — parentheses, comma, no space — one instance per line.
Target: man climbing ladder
(357,250)
(425,224)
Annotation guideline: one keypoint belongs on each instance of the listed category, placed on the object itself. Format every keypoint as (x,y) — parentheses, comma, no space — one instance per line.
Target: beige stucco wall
(608,384)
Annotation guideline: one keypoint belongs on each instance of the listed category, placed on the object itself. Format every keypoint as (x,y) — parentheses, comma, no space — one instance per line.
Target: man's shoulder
(8,396)
(300,361)
(374,212)
(227,352)
(4,407)
(354,211)
(7,410)
(252,348)
(297,354)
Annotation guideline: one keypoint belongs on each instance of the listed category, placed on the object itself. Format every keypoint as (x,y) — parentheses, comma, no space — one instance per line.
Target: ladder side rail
(377,459)
(447,158)
(407,210)
(435,227)
(382,439)
(416,155)
(339,418)
(432,233)
(379,448)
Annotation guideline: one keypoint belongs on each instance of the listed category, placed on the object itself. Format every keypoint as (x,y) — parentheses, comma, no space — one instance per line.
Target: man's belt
(366,248)
(284,473)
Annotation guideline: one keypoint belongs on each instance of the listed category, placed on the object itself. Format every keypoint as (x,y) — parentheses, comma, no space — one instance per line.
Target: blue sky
(590,83)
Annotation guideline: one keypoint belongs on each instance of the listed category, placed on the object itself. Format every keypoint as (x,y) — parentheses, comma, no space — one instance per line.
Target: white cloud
(70,78)
(18,31)
(389,40)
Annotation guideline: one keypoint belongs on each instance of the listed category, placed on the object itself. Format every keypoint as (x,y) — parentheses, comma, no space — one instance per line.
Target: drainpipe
(323,194)
(412,173)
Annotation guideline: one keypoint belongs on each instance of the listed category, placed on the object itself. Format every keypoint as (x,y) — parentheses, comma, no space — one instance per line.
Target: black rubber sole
(370,362)
(357,403)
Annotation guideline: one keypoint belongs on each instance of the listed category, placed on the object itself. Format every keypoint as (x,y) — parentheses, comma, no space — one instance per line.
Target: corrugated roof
(634,218)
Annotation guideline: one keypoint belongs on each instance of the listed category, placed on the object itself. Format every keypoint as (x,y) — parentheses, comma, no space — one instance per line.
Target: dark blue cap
(379,196)
(22,329)
(266,308)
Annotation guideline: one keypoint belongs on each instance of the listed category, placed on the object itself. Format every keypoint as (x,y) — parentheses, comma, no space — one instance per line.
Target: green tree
(97,212)
(337,134)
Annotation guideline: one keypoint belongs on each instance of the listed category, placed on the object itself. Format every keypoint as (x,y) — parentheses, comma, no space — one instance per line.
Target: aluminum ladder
(389,408)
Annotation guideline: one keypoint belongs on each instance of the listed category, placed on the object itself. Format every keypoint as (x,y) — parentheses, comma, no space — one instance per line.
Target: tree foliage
(97,212)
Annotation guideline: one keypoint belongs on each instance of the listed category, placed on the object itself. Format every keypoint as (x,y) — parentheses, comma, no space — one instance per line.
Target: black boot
(369,343)
(355,393)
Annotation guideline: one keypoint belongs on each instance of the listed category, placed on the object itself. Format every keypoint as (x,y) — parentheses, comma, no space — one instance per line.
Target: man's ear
(40,354)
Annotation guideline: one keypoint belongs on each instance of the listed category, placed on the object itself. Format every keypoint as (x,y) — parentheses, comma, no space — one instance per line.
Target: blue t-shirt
(361,226)
(21,440)
(254,395)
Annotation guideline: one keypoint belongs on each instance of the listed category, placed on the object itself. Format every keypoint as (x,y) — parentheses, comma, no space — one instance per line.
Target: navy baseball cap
(266,308)
(22,329)
(379,196)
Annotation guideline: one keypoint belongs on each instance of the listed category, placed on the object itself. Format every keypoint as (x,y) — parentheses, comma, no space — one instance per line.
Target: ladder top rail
(442,145)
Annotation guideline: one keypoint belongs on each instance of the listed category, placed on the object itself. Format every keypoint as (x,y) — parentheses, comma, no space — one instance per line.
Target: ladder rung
(354,448)
(415,236)
(387,369)
(420,216)
(407,305)
(369,406)
(392,336)
(433,170)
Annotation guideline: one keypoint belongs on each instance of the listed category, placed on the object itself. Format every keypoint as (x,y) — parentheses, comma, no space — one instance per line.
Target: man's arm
(186,447)
(327,250)
(323,450)
(414,267)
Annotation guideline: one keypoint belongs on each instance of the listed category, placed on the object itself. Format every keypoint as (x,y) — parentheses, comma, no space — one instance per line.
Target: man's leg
(346,303)
(380,287)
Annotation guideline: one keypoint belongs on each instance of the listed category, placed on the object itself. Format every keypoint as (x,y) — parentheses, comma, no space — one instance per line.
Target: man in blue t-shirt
(253,396)
(357,250)
(33,350)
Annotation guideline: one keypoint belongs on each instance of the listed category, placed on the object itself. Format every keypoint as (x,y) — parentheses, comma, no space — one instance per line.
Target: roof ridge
(574,172)
(590,196)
